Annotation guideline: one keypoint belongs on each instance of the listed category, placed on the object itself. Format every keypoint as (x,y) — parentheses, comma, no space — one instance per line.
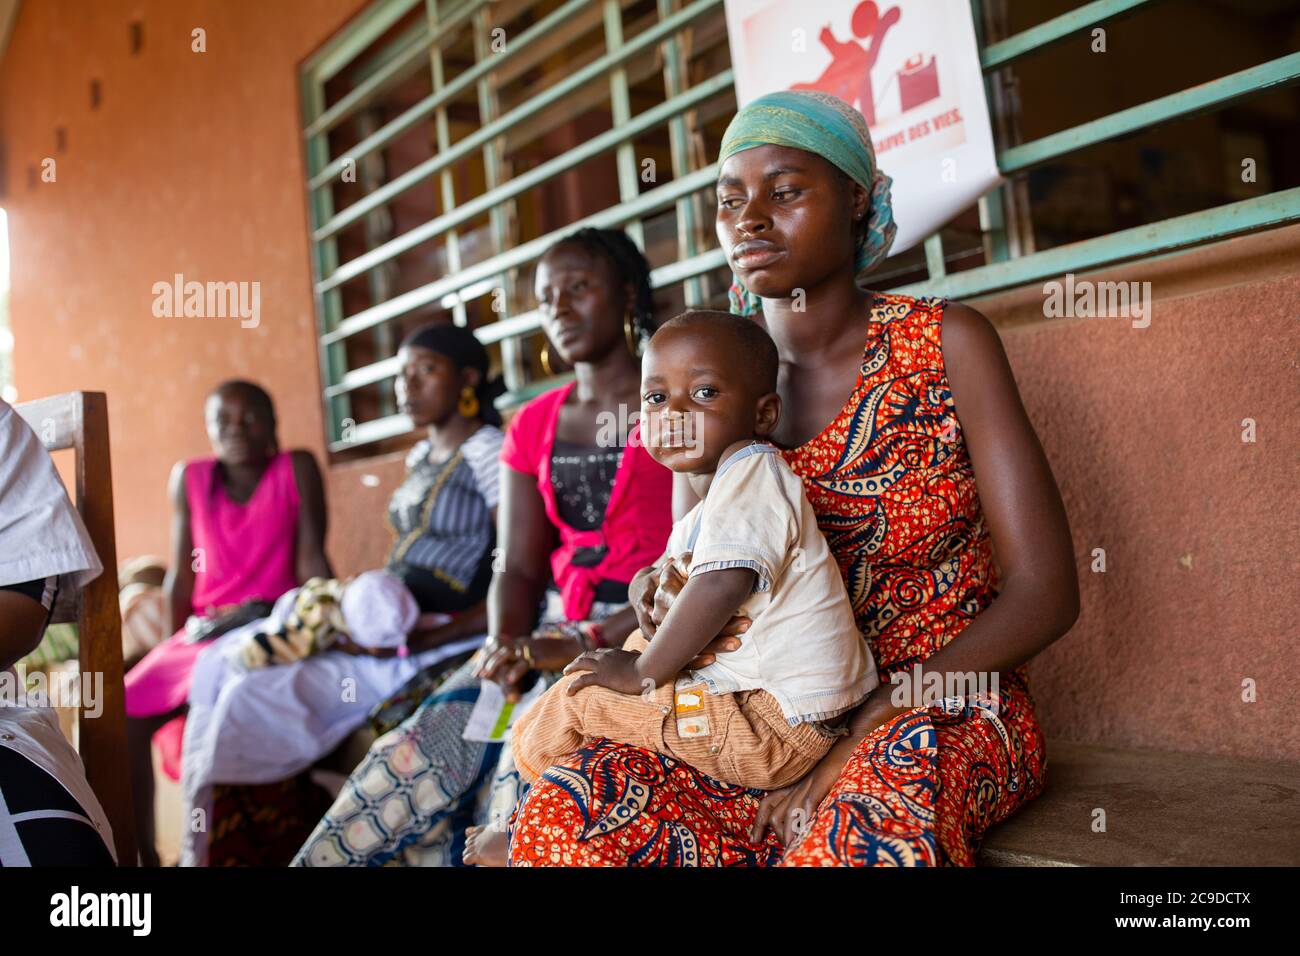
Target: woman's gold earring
(629,332)
(468,404)
(546,359)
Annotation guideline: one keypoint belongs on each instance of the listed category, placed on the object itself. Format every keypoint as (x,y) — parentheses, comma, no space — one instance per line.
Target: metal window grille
(486,83)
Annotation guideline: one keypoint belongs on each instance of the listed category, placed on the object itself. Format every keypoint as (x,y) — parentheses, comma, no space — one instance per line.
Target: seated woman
(270,723)
(248,524)
(906,428)
(49,816)
(580,514)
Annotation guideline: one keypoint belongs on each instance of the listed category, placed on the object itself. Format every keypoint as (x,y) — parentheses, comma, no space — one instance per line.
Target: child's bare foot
(485,847)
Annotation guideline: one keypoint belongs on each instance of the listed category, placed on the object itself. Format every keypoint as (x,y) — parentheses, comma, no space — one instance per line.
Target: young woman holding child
(902,418)
(767,713)
(578,518)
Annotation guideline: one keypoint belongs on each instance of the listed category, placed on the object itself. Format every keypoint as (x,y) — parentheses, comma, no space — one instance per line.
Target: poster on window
(910,66)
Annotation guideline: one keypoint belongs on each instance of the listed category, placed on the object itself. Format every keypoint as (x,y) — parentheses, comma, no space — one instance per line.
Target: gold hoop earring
(546,359)
(629,333)
(468,404)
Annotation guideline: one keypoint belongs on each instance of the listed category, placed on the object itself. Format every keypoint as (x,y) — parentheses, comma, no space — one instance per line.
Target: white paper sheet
(493,716)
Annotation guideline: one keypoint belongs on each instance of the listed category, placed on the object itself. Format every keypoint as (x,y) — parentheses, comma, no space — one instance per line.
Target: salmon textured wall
(191,164)
(1144,432)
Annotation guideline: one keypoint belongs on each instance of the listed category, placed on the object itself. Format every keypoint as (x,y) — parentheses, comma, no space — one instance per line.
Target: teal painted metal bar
(329,312)
(1283,71)
(934,256)
(993,226)
(365,29)
(684,269)
(408,118)
(1141,242)
(364,433)
(993,220)
(620,109)
(391,426)
(651,118)
(615,216)
(592,71)
(403,63)
(1222,222)
(513,327)
(500,219)
(999,54)
(446,182)
(366,375)
(675,80)
(531,390)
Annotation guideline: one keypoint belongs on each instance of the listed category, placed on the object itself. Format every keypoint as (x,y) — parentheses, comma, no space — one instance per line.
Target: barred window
(449,143)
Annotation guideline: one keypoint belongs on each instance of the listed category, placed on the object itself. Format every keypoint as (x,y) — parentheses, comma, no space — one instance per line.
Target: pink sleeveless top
(242,551)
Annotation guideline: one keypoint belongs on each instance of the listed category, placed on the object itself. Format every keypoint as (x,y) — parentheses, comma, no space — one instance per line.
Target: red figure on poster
(849,73)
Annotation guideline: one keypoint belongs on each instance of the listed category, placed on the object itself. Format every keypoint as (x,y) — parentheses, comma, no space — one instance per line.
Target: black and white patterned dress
(442,523)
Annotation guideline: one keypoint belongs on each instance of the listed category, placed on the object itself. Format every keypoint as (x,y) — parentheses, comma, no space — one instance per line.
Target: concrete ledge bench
(1161,809)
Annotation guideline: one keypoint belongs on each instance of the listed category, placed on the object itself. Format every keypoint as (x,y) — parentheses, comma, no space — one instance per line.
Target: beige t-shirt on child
(803,647)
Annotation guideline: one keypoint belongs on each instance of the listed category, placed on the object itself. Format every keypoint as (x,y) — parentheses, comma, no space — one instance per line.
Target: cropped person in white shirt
(48,814)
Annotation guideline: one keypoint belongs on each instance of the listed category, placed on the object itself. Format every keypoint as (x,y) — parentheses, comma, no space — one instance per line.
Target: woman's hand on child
(653,592)
(641,592)
(790,810)
(608,667)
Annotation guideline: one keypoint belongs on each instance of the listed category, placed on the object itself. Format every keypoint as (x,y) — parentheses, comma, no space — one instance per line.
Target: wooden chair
(79,420)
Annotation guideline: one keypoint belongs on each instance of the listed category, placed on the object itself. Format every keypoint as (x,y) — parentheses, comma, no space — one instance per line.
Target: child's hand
(607,667)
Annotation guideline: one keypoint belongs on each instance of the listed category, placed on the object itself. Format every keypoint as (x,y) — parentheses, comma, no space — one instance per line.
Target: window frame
(1007,264)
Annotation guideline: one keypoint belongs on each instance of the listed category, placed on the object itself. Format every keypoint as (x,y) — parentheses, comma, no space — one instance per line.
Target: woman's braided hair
(629,264)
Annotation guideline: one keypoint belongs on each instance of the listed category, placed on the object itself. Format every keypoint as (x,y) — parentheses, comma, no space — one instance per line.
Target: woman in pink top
(248,525)
(583,507)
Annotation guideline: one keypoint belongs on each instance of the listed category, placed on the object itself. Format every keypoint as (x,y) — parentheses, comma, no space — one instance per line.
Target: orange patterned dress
(894,491)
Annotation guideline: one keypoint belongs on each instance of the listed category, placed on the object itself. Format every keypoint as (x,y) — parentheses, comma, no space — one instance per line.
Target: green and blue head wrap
(827,126)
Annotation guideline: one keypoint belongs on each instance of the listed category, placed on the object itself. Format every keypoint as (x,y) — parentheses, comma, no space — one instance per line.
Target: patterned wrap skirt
(410,800)
(919,791)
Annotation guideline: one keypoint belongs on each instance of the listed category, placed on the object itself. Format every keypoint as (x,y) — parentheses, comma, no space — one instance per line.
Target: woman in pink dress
(248,525)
